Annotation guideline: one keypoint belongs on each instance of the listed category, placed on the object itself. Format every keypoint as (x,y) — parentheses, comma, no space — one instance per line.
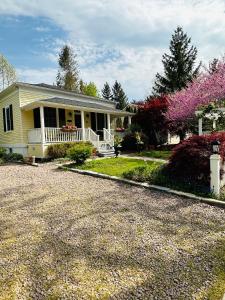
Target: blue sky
(120,39)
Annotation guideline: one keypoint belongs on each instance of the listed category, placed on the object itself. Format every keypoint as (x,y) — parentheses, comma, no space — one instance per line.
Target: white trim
(42,119)
(13,145)
(82,125)
(36,104)
(6,119)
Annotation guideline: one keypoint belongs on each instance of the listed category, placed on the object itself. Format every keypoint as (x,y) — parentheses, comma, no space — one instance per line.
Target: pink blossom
(205,89)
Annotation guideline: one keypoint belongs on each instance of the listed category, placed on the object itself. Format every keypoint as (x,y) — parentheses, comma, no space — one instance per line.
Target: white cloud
(43,75)
(42,29)
(125,39)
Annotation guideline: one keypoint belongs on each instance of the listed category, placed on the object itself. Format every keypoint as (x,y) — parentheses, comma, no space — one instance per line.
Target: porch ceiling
(75,105)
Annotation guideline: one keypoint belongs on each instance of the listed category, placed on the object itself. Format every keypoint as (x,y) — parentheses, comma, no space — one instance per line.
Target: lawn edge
(210,201)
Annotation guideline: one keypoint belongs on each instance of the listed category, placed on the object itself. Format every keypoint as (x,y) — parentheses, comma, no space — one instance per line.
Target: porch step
(107,153)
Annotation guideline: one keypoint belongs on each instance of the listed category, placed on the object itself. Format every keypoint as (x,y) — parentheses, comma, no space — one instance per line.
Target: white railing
(91,136)
(54,135)
(108,137)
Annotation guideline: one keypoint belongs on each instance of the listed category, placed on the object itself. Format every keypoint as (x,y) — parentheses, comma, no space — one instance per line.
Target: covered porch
(49,118)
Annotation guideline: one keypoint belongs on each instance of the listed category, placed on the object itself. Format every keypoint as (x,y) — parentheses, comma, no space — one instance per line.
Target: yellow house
(34,115)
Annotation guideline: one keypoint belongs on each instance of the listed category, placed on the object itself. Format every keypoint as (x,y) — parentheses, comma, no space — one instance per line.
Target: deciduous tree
(7,73)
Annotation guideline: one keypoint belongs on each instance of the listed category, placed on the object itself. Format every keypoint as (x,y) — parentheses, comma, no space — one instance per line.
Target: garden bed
(116,166)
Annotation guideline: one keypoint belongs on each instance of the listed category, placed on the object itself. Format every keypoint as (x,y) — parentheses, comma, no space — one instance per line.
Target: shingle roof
(78,103)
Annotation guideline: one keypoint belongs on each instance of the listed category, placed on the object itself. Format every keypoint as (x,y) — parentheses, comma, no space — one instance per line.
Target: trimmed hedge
(60,150)
(190,162)
(79,153)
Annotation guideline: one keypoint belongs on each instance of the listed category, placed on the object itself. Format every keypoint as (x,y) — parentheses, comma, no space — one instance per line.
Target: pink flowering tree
(207,88)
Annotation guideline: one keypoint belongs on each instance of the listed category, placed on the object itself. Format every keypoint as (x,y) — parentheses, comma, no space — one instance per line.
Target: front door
(98,122)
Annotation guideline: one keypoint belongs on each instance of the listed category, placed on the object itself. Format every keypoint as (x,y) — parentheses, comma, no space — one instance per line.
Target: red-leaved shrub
(190,162)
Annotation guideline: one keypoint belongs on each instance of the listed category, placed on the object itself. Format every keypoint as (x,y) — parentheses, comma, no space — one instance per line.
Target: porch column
(57,117)
(108,122)
(82,125)
(129,120)
(200,126)
(42,125)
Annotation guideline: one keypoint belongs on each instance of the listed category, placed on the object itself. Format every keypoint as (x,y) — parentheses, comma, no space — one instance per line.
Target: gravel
(69,236)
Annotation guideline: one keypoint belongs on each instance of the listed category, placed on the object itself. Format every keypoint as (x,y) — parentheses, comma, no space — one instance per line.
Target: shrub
(141,174)
(12,157)
(130,141)
(190,162)
(79,153)
(2,152)
(60,150)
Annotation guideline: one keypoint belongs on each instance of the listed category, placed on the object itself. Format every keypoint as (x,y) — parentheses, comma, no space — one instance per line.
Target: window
(37,120)
(62,117)
(8,118)
(50,117)
(77,115)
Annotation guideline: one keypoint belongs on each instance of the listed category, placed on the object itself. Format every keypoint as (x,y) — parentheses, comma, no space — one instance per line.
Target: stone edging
(210,201)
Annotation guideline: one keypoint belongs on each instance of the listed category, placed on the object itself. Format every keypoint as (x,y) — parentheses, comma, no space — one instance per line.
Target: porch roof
(76,105)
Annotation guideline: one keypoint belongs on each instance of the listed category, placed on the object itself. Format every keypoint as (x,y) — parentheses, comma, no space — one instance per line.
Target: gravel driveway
(70,236)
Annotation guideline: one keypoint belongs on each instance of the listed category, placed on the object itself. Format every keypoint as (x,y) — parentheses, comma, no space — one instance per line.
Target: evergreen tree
(81,86)
(213,65)
(179,66)
(67,76)
(106,92)
(119,96)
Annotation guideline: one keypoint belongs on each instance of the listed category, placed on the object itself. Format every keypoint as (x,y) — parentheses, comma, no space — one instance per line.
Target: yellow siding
(35,150)
(27,96)
(27,123)
(87,119)
(69,117)
(15,136)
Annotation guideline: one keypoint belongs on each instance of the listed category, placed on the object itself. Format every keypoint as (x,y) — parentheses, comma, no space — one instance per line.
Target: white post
(42,118)
(129,120)
(108,122)
(82,125)
(200,126)
(214,124)
(57,117)
(215,174)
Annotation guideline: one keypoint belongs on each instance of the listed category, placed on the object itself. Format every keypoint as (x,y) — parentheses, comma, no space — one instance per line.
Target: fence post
(215,174)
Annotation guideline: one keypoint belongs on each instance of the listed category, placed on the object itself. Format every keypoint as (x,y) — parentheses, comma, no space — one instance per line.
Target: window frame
(8,121)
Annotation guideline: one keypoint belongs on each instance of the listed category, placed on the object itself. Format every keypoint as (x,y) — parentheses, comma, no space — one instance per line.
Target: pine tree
(213,66)
(106,92)
(119,96)
(179,66)
(67,76)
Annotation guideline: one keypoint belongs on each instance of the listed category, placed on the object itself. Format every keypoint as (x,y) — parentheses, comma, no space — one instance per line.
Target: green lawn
(156,154)
(117,166)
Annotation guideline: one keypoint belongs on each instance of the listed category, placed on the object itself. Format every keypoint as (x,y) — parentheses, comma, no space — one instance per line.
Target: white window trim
(6,119)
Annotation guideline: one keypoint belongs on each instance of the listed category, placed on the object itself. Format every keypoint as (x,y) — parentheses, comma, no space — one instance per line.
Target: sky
(120,40)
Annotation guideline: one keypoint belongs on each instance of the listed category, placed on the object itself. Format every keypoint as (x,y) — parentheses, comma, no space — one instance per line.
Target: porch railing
(56,135)
(91,136)
(108,136)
